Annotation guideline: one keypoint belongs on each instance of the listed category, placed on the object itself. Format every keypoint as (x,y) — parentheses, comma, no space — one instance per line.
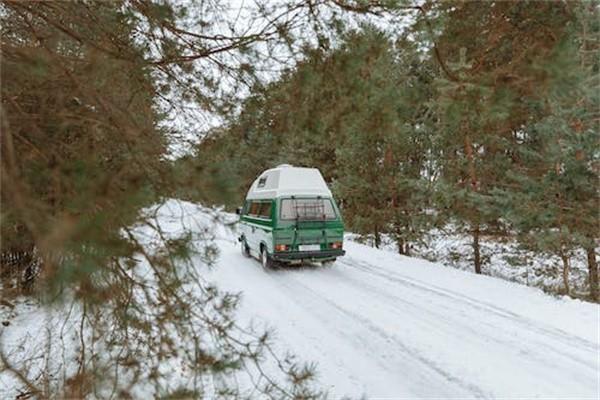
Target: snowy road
(387,326)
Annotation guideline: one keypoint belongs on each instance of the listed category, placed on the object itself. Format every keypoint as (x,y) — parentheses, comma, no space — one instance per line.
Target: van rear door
(308,224)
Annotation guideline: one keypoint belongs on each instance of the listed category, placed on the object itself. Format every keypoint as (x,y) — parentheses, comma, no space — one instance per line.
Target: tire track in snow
(564,337)
(436,319)
(386,336)
(526,347)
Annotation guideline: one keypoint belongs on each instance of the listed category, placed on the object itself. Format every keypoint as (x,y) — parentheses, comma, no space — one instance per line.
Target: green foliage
(491,101)
(359,113)
(86,89)
(81,152)
(481,115)
(554,195)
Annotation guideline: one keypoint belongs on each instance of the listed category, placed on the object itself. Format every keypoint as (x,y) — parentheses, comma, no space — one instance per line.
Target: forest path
(387,326)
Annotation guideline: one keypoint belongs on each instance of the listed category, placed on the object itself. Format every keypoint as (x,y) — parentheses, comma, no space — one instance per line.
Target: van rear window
(307,209)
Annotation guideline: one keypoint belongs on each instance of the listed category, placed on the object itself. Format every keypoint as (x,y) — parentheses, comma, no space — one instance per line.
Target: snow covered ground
(388,326)
(394,327)
(382,325)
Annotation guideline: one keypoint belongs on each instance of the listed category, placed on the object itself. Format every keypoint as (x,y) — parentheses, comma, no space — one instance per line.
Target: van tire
(245,248)
(265,259)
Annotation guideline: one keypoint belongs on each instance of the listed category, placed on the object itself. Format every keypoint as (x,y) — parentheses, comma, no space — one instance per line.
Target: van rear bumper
(307,255)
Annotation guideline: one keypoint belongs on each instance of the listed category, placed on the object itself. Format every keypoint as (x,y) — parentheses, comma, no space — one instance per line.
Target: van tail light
(336,245)
(281,247)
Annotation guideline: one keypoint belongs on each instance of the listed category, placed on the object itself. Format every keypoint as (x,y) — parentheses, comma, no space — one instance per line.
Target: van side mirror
(238,211)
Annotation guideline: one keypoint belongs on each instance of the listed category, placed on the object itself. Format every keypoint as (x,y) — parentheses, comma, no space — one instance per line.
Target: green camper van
(290,216)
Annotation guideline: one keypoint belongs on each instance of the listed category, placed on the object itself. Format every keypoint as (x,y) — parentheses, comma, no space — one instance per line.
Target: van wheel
(245,248)
(265,259)
(328,263)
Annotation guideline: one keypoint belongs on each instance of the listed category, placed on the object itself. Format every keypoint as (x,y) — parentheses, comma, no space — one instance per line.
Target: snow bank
(504,259)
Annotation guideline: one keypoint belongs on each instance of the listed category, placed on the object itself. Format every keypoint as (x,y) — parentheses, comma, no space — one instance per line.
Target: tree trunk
(565,272)
(377,237)
(593,272)
(474,188)
(476,250)
(400,244)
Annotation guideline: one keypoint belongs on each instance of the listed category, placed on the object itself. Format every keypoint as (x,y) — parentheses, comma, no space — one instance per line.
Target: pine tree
(360,114)
(553,199)
(485,91)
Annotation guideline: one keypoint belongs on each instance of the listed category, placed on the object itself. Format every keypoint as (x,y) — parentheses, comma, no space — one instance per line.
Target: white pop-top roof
(286,180)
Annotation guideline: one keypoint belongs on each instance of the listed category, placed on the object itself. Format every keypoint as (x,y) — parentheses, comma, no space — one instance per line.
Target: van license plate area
(309,247)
